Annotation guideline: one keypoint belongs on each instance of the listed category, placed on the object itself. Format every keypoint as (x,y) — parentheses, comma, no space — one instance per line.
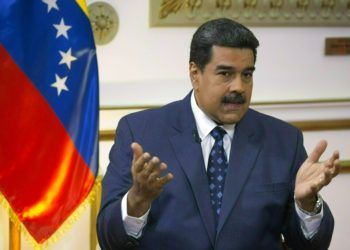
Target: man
(207,172)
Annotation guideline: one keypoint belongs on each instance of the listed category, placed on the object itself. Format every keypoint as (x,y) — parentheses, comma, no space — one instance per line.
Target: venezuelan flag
(48,111)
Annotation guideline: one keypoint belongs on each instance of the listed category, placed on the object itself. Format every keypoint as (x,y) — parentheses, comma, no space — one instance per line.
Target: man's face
(224,89)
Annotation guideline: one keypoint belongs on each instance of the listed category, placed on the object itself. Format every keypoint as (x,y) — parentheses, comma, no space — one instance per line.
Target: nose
(237,84)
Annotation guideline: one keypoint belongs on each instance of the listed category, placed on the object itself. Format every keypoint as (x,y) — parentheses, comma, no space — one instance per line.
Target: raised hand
(148,181)
(313,176)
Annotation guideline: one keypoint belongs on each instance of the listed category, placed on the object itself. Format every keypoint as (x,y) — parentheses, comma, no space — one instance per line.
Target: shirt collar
(205,124)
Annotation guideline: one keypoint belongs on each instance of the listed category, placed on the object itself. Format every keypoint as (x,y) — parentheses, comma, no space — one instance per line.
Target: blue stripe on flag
(32,42)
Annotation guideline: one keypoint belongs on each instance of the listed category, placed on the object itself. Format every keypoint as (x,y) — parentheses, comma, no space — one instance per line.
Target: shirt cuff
(309,224)
(133,225)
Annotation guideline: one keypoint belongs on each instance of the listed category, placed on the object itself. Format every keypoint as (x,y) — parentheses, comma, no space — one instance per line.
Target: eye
(225,73)
(247,75)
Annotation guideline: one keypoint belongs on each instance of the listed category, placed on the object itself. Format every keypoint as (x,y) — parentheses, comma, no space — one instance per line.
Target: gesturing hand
(147,180)
(313,176)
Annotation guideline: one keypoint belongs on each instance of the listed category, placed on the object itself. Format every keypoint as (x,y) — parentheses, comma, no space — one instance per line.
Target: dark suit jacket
(258,203)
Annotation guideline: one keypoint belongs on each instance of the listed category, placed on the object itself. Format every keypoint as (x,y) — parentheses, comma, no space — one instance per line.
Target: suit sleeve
(117,181)
(293,234)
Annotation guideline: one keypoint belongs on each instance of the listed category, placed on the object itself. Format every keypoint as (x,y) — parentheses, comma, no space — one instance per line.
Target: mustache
(234,98)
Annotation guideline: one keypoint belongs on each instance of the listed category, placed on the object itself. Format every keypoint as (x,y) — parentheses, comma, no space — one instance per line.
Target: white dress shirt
(134,225)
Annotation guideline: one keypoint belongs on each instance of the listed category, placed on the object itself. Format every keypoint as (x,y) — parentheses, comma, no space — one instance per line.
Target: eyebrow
(225,67)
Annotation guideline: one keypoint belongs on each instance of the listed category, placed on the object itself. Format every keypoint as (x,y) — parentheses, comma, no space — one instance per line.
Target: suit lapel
(191,162)
(189,154)
(244,152)
(245,149)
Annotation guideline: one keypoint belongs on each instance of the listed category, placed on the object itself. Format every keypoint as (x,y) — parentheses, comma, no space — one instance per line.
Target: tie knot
(218,133)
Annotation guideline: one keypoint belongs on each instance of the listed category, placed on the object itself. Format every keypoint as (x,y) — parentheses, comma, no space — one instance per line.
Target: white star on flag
(51,4)
(62,29)
(60,84)
(67,58)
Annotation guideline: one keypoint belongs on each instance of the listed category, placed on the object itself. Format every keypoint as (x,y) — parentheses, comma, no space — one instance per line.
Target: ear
(194,75)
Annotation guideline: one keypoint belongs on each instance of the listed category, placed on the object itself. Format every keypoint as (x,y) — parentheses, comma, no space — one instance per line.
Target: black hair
(221,32)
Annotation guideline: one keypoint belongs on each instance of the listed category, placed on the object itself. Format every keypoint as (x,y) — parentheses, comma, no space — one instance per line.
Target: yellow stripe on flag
(83,6)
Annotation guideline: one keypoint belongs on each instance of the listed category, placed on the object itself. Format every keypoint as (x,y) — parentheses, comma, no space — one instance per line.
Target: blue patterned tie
(217,169)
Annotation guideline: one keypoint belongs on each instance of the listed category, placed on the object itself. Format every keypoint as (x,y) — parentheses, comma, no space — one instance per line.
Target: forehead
(232,56)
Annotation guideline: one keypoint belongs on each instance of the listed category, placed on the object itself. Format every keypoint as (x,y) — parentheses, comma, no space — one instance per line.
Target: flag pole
(15,236)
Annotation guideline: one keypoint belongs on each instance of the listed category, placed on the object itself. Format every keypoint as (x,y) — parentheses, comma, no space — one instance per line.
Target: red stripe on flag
(42,175)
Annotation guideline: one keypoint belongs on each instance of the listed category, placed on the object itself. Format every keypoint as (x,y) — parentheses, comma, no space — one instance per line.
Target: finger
(154,176)
(333,164)
(332,159)
(165,179)
(151,166)
(317,152)
(336,168)
(325,179)
(137,151)
(334,156)
(139,164)
(157,172)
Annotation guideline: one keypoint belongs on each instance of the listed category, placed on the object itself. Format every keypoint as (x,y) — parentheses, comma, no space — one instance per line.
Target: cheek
(215,95)
(211,92)
(248,90)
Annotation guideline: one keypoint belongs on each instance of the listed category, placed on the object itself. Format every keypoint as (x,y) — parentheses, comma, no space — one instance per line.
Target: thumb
(137,151)
(317,152)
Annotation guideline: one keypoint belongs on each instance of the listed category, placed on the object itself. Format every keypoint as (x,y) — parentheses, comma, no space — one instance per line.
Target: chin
(230,116)
(230,119)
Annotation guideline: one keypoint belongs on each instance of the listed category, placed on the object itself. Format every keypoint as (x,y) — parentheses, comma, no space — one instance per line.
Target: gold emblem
(104,22)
